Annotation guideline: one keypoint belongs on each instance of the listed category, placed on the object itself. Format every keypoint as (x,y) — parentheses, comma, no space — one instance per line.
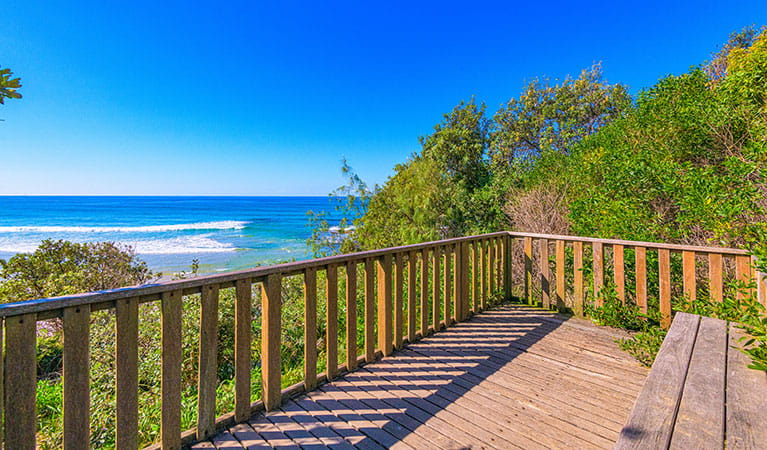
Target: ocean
(222,233)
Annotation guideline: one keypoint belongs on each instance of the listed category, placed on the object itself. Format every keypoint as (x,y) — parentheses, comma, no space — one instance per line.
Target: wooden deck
(513,377)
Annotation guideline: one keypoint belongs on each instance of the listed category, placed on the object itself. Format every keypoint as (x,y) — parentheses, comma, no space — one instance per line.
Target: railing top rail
(153,290)
(651,245)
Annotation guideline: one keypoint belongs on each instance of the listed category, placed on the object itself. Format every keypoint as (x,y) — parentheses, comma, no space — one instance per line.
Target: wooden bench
(700,392)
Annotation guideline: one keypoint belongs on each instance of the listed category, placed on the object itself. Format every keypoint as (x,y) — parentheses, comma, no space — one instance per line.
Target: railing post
(619,272)
(271,293)
(484,277)
(578,278)
(331,317)
(464,280)
(435,285)
(543,250)
(664,271)
(507,256)
(207,377)
(599,272)
(310,328)
(370,318)
(126,383)
(560,256)
(170,426)
(412,261)
(528,249)
(76,377)
(399,299)
(640,254)
(385,304)
(688,273)
(20,381)
(715,276)
(446,304)
(351,316)
(424,292)
(242,358)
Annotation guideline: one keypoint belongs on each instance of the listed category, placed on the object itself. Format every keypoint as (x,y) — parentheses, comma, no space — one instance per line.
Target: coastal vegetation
(683,161)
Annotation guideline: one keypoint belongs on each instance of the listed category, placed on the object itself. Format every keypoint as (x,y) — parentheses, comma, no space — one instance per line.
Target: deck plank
(512,377)
(746,412)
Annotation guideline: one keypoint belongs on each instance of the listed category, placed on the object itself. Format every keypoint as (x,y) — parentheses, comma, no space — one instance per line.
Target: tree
(63,267)
(8,85)
(555,117)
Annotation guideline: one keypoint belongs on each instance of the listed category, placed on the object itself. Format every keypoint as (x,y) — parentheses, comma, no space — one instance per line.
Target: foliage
(8,86)
(351,203)
(62,268)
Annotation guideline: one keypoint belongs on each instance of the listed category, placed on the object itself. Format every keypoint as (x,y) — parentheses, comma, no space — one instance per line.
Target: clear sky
(264,98)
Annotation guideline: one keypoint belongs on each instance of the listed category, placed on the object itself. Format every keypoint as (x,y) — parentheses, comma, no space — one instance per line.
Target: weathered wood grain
(271,312)
(412,291)
(528,252)
(170,426)
(664,288)
(640,255)
(447,278)
(126,382)
(242,357)
(619,272)
(331,322)
(424,286)
(700,419)
(578,278)
(399,299)
(310,329)
(385,342)
(436,289)
(560,257)
(76,377)
(20,381)
(599,272)
(207,371)
(688,275)
(351,316)
(370,307)
(715,276)
(746,402)
(651,421)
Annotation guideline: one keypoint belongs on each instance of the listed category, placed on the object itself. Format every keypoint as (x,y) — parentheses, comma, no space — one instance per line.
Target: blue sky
(185,98)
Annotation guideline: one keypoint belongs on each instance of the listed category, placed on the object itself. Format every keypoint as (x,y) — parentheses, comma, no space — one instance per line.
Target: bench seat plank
(746,399)
(652,419)
(700,420)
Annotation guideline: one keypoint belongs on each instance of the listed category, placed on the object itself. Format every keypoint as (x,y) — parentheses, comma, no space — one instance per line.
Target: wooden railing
(445,281)
(558,278)
(406,293)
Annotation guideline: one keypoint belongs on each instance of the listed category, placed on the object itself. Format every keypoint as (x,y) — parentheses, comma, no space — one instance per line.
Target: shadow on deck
(512,377)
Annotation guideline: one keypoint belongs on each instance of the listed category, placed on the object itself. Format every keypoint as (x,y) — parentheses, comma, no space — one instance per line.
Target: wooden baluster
(351,315)
(424,292)
(310,328)
(457,274)
(436,288)
(664,270)
(528,249)
(412,271)
(641,278)
(126,383)
(491,268)
(385,304)
(599,272)
(331,317)
(76,377)
(507,255)
(207,363)
(715,276)
(743,275)
(170,426)
(560,256)
(578,278)
(484,277)
(242,357)
(20,381)
(688,272)
(499,264)
(543,251)
(399,299)
(463,264)
(619,275)
(447,278)
(271,293)
(475,277)
(370,319)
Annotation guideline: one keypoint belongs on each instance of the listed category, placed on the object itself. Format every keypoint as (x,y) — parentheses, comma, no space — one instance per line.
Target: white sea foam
(168,246)
(222,225)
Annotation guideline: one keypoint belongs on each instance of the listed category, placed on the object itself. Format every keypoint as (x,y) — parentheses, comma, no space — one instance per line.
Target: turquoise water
(223,233)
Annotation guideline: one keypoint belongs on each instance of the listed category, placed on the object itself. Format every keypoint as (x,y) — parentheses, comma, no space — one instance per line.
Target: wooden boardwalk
(513,377)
